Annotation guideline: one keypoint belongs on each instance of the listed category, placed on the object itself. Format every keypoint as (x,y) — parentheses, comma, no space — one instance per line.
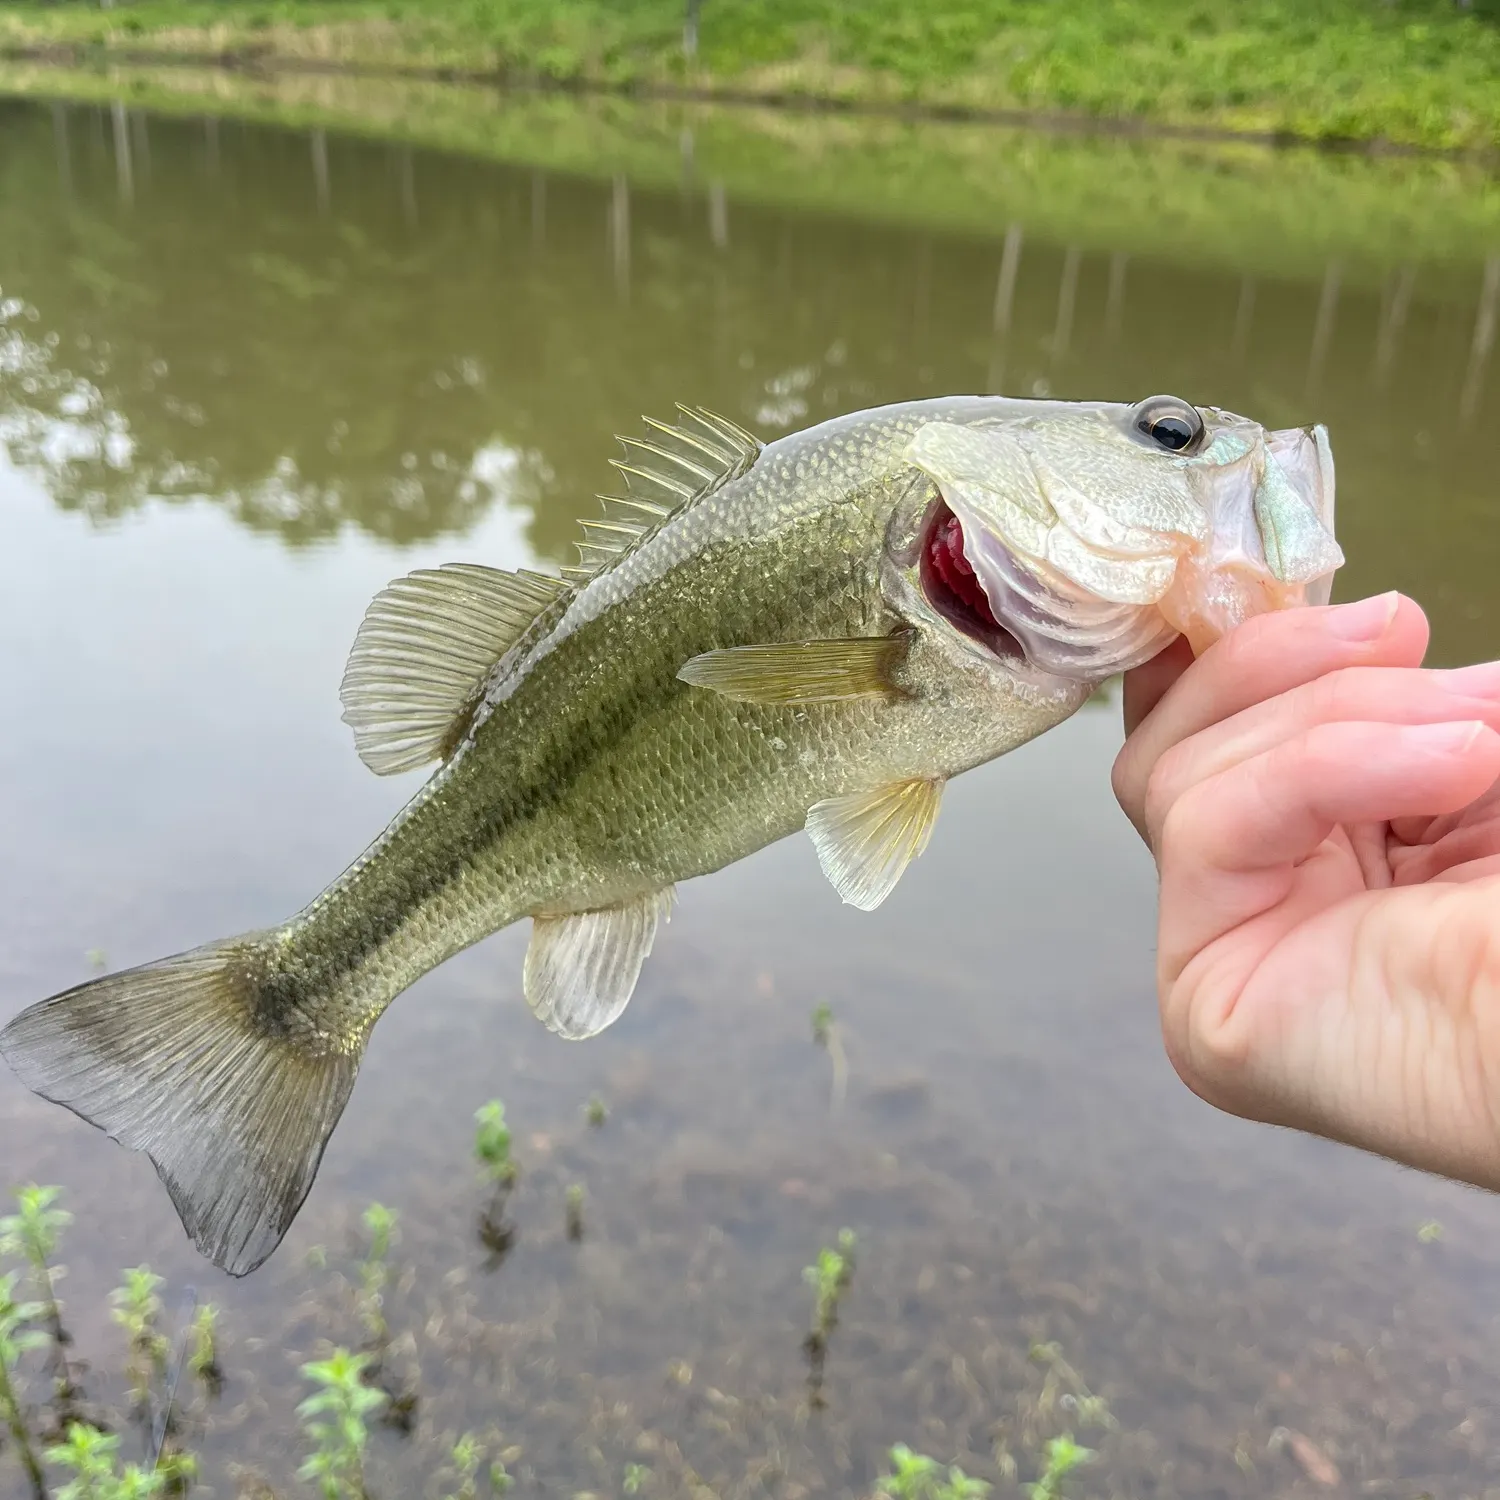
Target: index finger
(1263,658)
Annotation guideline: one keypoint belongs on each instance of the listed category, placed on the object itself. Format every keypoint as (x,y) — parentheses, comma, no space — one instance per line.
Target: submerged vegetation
(83,1458)
(335,1419)
(830,1277)
(914,1476)
(501,1170)
(1412,71)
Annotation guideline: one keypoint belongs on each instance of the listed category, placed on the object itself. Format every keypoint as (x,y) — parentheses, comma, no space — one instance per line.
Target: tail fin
(175,1060)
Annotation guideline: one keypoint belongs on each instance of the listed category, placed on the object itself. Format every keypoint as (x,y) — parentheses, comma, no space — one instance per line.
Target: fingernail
(1443,739)
(1366,619)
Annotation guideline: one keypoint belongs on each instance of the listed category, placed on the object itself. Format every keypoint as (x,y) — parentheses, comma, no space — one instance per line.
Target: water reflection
(331,340)
(319,333)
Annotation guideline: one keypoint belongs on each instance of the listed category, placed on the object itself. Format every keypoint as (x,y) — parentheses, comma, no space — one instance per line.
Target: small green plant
(1064,1389)
(917,1477)
(1062,1455)
(32,1233)
(374,1275)
(18,1337)
(468,1460)
(829,1277)
(574,1210)
(468,1465)
(1429,1232)
(822,1022)
(596,1112)
(492,1151)
(136,1307)
(91,1457)
(335,1419)
(203,1353)
(492,1145)
(636,1478)
(826,1035)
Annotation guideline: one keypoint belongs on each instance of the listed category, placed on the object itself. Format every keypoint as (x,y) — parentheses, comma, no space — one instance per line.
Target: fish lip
(1305,457)
(1268,496)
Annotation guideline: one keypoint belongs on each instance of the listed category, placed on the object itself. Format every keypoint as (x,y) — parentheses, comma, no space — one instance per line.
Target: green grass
(1417,72)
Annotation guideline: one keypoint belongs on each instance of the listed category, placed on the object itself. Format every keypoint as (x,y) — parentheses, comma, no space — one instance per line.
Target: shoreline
(268,64)
(1408,78)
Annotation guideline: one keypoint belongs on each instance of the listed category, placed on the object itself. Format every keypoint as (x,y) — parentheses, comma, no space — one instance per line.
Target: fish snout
(1269,543)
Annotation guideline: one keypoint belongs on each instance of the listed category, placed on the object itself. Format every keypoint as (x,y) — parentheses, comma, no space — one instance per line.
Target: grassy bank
(1413,72)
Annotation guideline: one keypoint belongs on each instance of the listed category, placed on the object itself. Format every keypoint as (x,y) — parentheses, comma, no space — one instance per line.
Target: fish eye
(1166,422)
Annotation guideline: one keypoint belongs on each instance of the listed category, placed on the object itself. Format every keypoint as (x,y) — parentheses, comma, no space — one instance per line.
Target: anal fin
(866,839)
(581,969)
(802,671)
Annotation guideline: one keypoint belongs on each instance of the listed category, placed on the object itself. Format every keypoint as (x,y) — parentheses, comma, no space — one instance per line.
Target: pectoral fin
(865,840)
(581,968)
(802,671)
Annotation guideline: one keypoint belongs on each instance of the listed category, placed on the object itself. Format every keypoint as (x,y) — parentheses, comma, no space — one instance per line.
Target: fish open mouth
(988,593)
(951,587)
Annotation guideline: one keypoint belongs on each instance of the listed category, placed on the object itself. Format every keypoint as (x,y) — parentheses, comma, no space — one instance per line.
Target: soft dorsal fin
(423,650)
(674,466)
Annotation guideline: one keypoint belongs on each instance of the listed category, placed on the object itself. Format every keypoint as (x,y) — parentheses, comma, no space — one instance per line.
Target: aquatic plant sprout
(1062,1455)
(135,1305)
(33,1233)
(91,1457)
(914,1476)
(18,1337)
(203,1360)
(335,1418)
(492,1144)
(829,1277)
(380,1225)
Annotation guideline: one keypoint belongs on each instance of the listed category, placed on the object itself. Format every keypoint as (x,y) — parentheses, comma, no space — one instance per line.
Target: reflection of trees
(398,358)
(354,335)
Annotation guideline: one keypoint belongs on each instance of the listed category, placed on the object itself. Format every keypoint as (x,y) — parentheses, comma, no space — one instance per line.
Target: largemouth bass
(816,633)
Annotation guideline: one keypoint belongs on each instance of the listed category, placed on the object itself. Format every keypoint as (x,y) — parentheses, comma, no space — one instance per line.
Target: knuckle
(1208,1049)
(1124,780)
(1165,788)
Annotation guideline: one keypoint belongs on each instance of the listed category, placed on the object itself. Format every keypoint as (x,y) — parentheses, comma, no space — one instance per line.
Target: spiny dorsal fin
(426,644)
(865,840)
(675,466)
(802,671)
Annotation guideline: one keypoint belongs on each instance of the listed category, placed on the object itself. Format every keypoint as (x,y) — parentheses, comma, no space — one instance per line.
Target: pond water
(247,375)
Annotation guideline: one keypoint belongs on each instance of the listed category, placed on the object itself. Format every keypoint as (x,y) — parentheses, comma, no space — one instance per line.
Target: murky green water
(246,376)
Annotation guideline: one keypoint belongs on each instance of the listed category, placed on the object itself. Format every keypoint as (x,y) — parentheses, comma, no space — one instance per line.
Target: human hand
(1325,818)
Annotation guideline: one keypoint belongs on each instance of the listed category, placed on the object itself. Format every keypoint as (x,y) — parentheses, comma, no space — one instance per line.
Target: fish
(813,633)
